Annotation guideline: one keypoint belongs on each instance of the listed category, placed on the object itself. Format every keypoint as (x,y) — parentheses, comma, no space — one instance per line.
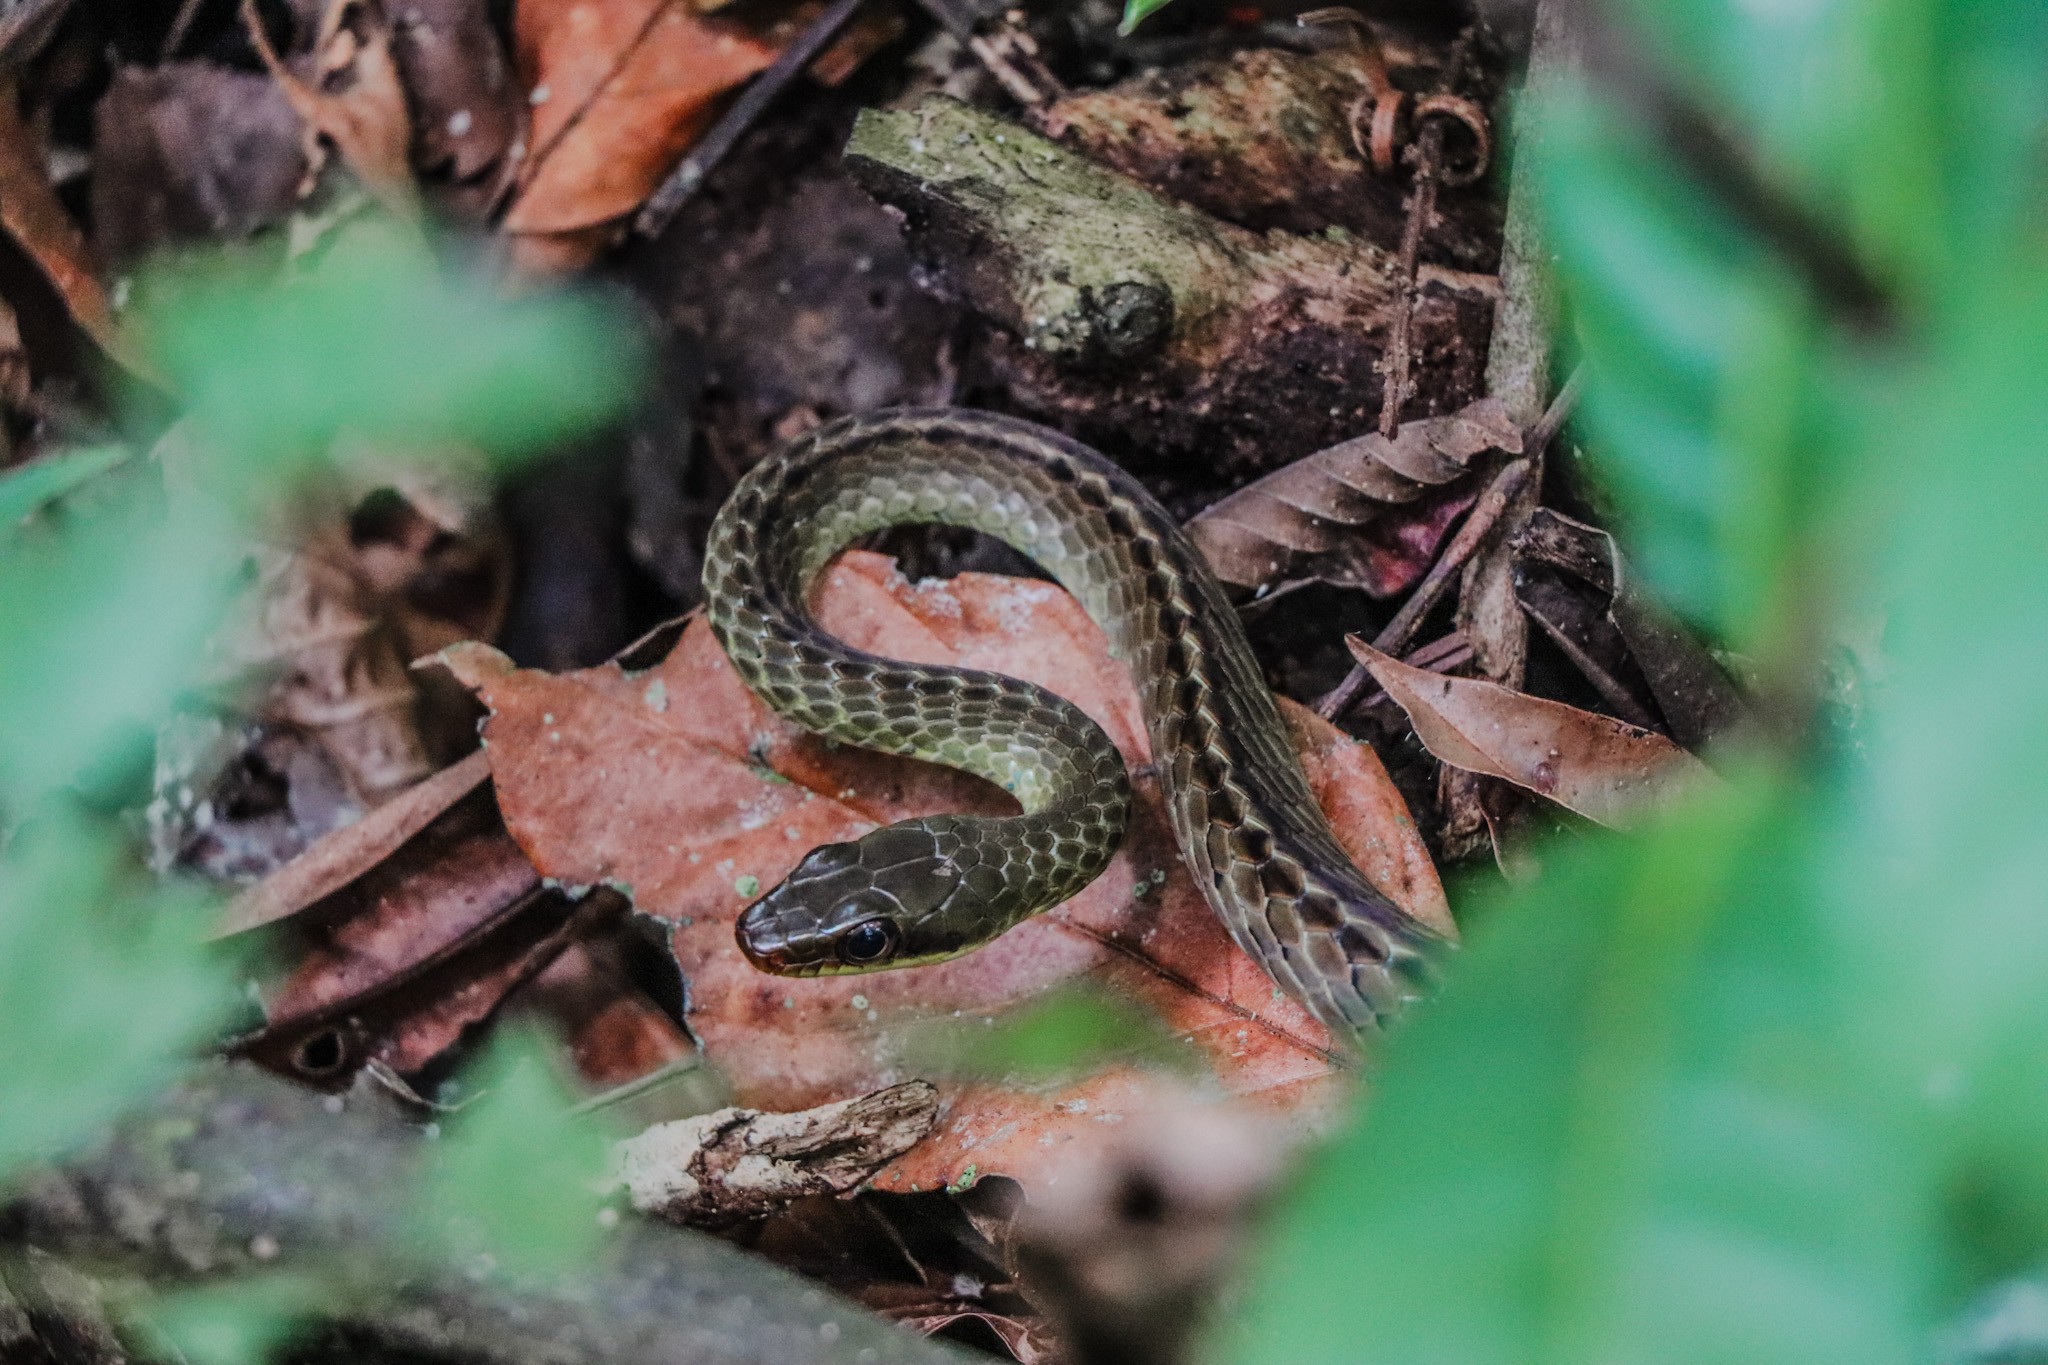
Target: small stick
(663,205)
(1485,513)
(1429,151)
(181,24)
(1394,395)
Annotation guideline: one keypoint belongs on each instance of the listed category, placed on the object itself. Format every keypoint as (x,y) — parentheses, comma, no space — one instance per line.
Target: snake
(920,891)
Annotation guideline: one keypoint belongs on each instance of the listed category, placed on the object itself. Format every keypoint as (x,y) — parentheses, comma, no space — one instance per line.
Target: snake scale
(923,890)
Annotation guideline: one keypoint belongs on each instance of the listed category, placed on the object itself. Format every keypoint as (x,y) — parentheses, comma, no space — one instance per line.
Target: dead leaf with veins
(1602,768)
(675,783)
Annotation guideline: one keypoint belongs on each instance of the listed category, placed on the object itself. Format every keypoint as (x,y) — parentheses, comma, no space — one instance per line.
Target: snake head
(878,902)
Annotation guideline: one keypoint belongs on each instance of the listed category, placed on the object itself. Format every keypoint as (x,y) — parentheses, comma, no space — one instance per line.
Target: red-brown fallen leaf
(1598,766)
(416,947)
(619,90)
(615,1033)
(37,220)
(677,783)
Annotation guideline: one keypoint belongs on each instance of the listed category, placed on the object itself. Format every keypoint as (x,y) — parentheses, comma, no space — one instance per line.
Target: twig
(1485,513)
(1429,151)
(1394,395)
(1445,654)
(1471,535)
(1011,57)
(181,26)
(718,1169)
(23,33)
(663,205)
(1556,415)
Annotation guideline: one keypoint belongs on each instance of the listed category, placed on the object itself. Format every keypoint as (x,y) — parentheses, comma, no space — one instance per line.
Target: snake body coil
(927,889)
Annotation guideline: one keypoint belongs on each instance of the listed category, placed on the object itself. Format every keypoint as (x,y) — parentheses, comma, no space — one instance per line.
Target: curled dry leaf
(310,647)
(1366,513)
(677,783)
(396,962)
(1592,764)
(618,90)
(379,564)
(355,99)
(42,227)
(1697,698)
(460,84)
(191,151)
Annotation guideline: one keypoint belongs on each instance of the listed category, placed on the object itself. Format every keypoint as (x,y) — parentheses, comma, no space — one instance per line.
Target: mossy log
(1149,325)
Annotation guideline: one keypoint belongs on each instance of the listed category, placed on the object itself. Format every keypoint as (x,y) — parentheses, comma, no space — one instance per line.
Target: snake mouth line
(785,962)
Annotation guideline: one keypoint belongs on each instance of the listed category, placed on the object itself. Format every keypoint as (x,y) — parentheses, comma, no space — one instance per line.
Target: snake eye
(869,942)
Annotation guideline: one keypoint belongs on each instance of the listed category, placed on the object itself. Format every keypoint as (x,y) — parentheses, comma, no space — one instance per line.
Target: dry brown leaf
(619,89)
(676,782)
(1693,691)
(616,1033)
(339,858)
(1603,769)
(36,219)
(466,101)
(354,101)
(415,948)
(310,644)
(1367,513)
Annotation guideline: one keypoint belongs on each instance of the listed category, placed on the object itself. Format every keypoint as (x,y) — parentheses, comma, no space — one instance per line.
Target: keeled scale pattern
(1247,824)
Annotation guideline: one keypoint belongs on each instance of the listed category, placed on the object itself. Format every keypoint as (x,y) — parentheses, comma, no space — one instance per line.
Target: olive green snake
(923,890)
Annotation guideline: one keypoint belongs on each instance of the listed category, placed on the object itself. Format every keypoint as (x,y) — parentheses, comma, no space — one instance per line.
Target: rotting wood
(1149,321)
(725,1167)
(1262,139)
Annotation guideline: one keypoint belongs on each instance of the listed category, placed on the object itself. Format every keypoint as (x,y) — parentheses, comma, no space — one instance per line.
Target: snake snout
(827,916)
(776,941)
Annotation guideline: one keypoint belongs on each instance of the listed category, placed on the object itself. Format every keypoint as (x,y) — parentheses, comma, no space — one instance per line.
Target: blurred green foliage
(114,565)
(1069,1032)
(1769,1082)
(103,985)
(235,1323)
(517,1175)
(384,342)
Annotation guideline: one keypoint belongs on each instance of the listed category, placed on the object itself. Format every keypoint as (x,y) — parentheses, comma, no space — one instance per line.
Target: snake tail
(923,890)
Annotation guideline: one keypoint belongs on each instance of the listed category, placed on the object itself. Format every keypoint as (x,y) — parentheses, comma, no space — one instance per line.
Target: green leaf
(1940,881)
(1067,1033)
(100,621)
(1629,1131)
(31,486)
(105,990)
(1700,349)
(517,1176)
(1136,12)
(380,340)
(242,1323)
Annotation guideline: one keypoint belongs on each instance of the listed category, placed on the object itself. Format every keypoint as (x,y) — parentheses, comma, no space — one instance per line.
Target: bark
(1151,324)
(237,1172)
(736,1164)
